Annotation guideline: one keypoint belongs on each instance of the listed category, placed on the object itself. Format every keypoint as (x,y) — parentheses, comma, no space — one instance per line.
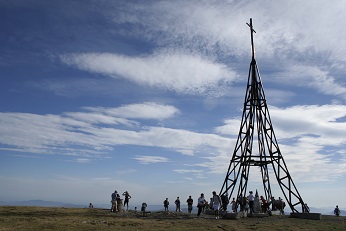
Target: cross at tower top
(252,45)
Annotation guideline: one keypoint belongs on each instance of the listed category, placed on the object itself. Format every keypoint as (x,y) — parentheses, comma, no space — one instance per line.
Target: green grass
(42,218)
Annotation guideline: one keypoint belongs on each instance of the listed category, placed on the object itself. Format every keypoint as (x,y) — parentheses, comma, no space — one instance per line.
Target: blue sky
(147,96)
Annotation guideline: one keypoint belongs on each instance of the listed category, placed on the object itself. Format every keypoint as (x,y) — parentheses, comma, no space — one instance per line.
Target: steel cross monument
(255,126)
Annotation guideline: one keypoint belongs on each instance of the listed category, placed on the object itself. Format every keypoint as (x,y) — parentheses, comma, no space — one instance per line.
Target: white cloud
(324,123)
(151,159)
(187,171)
(84,134)
(301,40)
(312,128)
(147,110)
(82,160)
(201,25)
(98,118)
(309,76)
(280,25)
(125,171)
(122,115)
(180,72)
(231,127)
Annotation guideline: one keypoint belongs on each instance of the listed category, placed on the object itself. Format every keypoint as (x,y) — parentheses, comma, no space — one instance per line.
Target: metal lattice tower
(256,125)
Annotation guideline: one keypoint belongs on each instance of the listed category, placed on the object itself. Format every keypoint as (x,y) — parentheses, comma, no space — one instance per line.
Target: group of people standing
(189,202)
(245,203)
(201,204)
(215,202)
(251,203)
(116,201)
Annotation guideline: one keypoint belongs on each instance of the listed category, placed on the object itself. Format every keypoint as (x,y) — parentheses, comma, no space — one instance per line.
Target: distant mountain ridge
(42,203)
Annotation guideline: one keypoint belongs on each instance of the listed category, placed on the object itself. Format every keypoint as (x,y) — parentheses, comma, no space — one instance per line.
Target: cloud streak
(81,137)
(151,159)
(179,72)
(85,133)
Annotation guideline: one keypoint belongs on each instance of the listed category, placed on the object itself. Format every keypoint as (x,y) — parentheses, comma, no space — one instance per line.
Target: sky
(147,96)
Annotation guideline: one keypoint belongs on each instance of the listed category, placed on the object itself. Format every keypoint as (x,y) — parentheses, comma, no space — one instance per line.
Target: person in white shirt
(200,204)
(216,204)
(251,199)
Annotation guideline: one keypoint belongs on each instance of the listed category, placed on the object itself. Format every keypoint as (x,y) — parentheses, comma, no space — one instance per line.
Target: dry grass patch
(42,218)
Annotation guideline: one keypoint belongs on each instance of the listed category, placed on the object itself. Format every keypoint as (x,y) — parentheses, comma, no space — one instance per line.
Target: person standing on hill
(225,201)
(114,196)
(177,205)
(127,198)
(189,204)
(264,204)
(337,211)
(166,204)
(216,204)
(251,200)
(144,207)
(234,205)
(200,204)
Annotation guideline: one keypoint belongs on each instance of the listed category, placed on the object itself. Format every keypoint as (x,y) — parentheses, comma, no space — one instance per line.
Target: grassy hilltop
(43,218)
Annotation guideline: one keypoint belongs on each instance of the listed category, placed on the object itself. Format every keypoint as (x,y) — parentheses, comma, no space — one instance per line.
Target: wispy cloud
(151,159)
(147,110)
(179,72)
(126,171)
(85,133)
(322,121)
(309,76)
(187,171)
(288,35)
(212,22)
(319,127)
(81,160)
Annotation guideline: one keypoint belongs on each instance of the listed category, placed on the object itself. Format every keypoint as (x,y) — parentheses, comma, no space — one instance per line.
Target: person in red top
(264,205)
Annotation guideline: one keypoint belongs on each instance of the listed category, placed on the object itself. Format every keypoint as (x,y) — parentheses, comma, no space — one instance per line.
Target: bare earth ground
(43,218)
